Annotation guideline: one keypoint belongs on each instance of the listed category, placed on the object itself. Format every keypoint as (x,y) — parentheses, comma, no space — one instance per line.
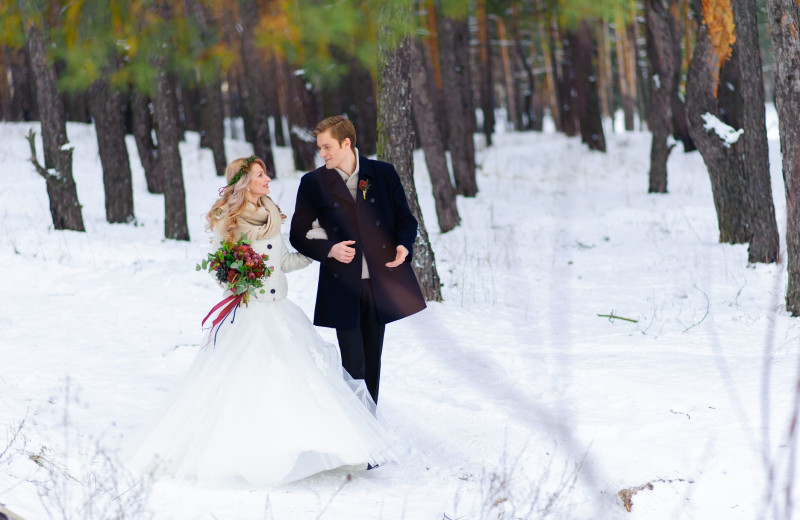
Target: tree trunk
(680,124)
(277,94)
(626,61)
(304,114)
(396,135)
(24,101)
(108,113)
(65,209)
(551,76)
(604,81)
(783,30)
(432,54)
(256,99)
(485,72)
(763,229)
(455,74)
(5,86)
(213,123)
(662,47)
(587,100)
(165,104)
(722,159)
(532,106)
(425,115)
(148,151)
(513,113)
(566,85)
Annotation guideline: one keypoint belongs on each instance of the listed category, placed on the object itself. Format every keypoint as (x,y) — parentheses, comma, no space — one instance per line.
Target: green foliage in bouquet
(238,267)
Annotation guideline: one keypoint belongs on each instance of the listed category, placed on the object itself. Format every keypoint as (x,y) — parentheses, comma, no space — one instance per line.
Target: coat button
(372,199)
(335,204)
(383,246)
(272,291)
(269,246)
(335,228)
(377,222)
(336,275)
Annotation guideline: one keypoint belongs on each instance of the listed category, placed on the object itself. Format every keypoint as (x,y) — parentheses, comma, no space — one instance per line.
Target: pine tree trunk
(513,114)
(108,113)
(455,74)
(587,100)
(567,88)
(532,106)
(662,47)
(551,77)
(763,229)
(65,209)
(604,82)
(783,30)
(680,123)
(5,86)
(485,72)
(626,62)
(165,104)
(365,108)
(304,114)
(724,163)
(24,100)
(148,152)
(432,58)
(189,105)
(396,135)
(213,123)
(256,99)
(277,95)
(425,115)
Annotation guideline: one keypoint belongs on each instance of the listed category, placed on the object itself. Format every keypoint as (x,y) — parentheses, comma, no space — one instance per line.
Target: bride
(266,401)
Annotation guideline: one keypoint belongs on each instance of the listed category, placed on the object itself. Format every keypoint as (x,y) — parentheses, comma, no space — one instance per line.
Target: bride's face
(259,181)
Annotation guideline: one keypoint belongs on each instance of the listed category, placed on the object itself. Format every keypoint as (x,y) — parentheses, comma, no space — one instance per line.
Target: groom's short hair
(340,128)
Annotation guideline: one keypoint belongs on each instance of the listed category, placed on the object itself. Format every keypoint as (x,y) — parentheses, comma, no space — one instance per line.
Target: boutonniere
(363,185)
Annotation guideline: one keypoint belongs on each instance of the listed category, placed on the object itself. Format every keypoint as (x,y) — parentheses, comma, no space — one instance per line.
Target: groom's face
(334,154)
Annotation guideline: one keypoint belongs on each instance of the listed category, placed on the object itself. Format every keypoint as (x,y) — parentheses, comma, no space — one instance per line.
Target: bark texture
(455,73)
(444,193)
(763,228)
(396,139)
(724,164)
(148,151)
(108,113)
(485,72)
(303,114)
(587,99)
(168,133)
(663,53)
(783,30)
(65,209)
(256,93)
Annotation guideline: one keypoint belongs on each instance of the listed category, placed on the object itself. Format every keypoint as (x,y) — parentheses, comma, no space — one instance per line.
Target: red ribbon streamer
(228,304)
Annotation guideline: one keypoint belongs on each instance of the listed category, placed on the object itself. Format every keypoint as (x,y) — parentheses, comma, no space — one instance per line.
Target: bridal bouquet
(238,267)
(241,270)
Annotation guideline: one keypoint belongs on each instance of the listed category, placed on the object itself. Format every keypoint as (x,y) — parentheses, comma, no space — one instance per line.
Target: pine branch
(31,137)
(613,316)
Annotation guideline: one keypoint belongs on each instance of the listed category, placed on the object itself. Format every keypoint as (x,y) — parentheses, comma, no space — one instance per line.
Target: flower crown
(243,169)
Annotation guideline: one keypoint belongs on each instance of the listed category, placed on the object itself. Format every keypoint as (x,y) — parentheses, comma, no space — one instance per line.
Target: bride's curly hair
(224,214)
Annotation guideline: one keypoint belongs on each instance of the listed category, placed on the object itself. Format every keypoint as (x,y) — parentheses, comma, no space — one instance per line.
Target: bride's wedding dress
(266,402)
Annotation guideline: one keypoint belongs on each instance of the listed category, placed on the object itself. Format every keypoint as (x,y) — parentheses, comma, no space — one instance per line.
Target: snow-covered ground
(512,397)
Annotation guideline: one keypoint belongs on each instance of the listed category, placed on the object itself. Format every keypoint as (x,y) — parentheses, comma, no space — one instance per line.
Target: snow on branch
(49,173)
(727,133)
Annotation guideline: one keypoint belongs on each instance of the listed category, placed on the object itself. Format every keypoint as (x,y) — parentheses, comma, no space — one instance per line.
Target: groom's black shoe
(370,466)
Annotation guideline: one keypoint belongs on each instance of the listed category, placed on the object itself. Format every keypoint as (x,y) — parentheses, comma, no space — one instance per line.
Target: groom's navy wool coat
(378,222)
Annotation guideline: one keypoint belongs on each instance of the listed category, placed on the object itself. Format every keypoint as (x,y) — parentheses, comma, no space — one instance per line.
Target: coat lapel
(365,172)
(336,185)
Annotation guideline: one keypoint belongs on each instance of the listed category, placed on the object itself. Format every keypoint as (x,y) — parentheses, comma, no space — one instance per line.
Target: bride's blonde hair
(224,214)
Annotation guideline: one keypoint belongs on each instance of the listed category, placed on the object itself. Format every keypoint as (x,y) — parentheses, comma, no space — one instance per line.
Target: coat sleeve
(292,261)
(405,223)
(304,216)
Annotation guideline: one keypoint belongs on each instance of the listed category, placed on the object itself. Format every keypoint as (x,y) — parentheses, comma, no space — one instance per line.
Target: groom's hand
(402,253)
(343,251)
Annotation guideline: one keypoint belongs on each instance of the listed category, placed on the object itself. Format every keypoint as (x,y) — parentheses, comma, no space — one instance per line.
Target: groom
(365,274)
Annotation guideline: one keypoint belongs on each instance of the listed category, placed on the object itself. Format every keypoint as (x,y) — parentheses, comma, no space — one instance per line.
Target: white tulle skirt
(267,404)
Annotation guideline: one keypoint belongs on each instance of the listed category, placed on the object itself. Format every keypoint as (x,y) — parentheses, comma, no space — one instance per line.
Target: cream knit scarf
(259,222)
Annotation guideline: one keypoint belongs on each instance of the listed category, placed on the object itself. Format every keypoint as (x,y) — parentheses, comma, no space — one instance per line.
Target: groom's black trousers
(361,346)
